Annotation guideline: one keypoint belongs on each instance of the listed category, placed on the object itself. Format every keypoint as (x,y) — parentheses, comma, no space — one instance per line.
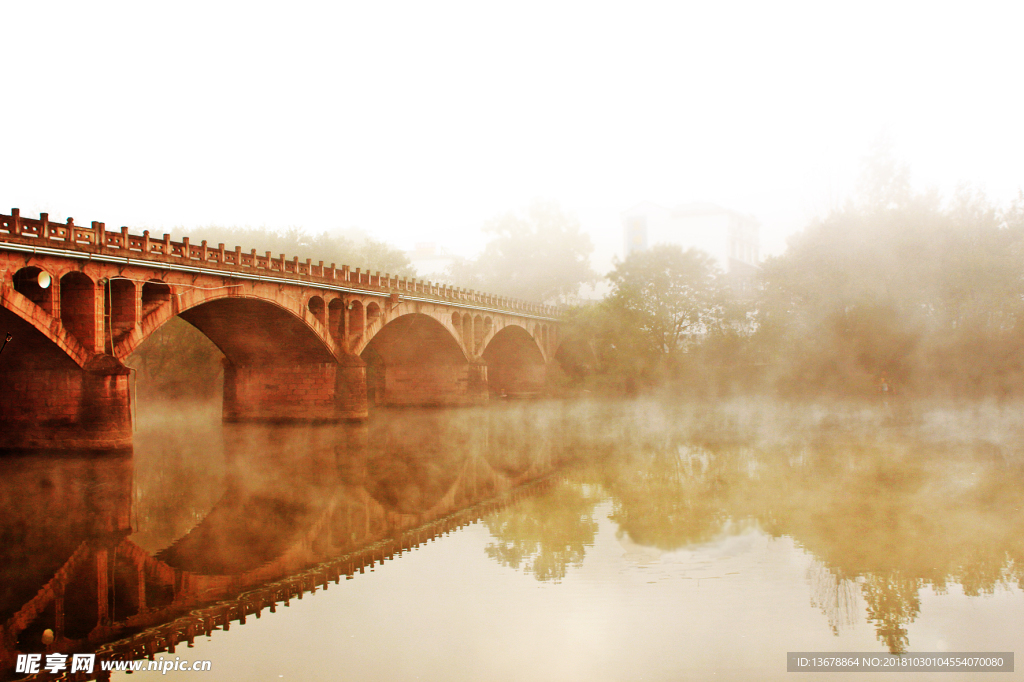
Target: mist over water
(740,399)
(669,538)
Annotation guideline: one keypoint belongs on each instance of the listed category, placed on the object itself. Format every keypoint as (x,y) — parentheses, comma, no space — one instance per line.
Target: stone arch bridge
(301,341)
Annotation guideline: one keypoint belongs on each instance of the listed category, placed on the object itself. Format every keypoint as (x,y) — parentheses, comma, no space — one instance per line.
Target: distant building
(730,237)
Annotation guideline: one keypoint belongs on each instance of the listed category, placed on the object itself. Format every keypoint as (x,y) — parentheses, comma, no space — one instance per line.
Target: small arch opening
(356,319)
(335,318)
(478,333)
(372,314)
(78,307)
(467,333)
(315,304)
(119,306)
(29,283)
(154,294)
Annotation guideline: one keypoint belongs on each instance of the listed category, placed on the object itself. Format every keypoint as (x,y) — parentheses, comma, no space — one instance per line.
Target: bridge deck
(95,242)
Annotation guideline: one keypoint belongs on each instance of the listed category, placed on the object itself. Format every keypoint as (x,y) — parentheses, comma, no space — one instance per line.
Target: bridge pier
(66,408)
(350,396)
(517,380)
(433,385)
(317,392)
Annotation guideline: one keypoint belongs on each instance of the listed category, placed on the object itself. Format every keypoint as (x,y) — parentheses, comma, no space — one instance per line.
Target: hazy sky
(419,121)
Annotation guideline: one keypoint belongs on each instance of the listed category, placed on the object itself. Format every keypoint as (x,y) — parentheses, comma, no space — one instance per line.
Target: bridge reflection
(298,508)
(131,555)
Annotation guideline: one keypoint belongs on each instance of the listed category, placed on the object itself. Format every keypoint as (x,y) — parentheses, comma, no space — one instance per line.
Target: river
(539,540)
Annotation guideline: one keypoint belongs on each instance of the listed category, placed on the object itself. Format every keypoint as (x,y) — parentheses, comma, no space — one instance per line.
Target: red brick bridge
(301,341)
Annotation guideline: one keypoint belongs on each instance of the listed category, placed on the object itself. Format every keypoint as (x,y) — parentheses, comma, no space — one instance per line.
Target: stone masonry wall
(65,409)
(435,385)
(280,393)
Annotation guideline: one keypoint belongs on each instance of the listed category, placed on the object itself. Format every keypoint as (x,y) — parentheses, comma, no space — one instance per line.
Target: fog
(823,449)
(419,124)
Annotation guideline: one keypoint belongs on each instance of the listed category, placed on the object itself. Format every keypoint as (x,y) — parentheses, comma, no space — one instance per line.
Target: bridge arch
(38,340)
(414,359)
(280,362)
(43,333)
(257,331)
(246,328)
(515,362)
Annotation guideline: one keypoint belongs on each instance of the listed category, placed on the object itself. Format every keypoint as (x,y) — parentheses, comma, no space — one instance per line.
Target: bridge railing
(95,238)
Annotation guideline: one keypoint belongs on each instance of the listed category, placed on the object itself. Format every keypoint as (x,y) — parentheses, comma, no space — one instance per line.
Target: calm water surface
(528,541)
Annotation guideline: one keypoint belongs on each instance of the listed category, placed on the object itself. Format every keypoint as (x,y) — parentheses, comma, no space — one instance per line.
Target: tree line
(896,292)
(903,292)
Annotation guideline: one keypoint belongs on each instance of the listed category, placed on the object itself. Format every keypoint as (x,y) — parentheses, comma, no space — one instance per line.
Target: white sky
(418,121)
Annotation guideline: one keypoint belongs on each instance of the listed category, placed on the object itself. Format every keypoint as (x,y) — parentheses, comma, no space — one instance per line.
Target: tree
(666,312)
(541,256)
(673,298)
(902,289)
(177,361)
(669,317)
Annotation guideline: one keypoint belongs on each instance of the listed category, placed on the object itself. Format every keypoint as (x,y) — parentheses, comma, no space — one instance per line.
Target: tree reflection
(884,513)
(834,595)
(671,499)
(893,602)
(546,534)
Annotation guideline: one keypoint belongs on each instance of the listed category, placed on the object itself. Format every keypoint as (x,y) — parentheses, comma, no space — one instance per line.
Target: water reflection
(62,517)
(207,524)
(252,514)
(546,534)
(885,511)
